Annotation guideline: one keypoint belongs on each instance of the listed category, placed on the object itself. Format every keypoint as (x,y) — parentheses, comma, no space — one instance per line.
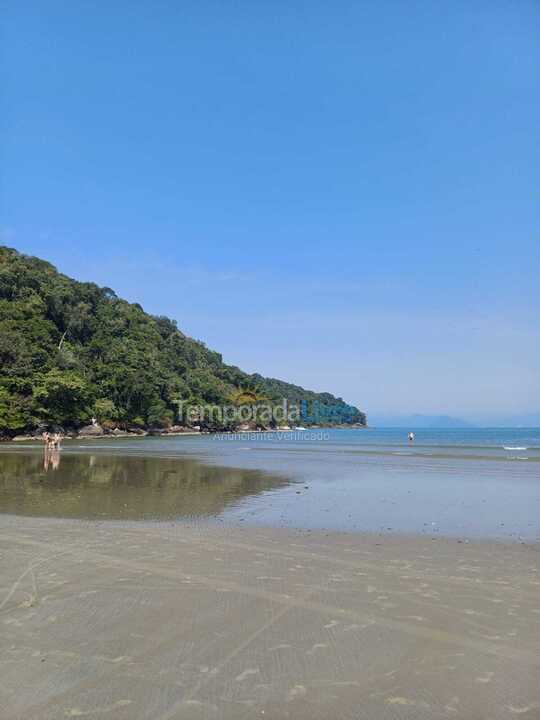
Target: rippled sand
(153,621)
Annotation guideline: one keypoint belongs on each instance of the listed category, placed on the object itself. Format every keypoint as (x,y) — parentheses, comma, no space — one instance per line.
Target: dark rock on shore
(91,431)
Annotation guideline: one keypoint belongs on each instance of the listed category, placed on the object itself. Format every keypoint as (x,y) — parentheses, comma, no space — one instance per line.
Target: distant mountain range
(418,421)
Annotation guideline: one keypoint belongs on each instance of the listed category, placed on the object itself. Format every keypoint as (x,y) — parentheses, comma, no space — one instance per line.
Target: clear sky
(343,195)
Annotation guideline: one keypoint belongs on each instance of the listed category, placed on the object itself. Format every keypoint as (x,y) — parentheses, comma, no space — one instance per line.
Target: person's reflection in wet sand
(55,458)
(51,458)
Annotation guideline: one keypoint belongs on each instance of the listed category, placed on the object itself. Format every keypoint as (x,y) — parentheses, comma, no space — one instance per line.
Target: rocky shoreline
(99,432)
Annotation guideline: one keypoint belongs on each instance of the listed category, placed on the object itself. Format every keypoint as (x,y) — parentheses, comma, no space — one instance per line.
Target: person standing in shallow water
(411,437)
(51,450)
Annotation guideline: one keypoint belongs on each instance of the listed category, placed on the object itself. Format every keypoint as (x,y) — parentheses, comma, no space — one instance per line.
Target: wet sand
(312,485)
(133,620)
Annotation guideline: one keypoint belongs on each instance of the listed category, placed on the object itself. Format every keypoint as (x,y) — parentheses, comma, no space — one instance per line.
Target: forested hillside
(71,350)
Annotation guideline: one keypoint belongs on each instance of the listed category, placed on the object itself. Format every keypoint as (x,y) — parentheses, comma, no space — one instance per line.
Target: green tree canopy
(70,350)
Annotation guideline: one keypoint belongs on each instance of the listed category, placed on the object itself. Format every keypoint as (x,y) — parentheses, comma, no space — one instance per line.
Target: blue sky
(344,195)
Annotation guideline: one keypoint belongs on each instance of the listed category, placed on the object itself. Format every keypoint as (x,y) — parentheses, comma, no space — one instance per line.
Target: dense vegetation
(71,350)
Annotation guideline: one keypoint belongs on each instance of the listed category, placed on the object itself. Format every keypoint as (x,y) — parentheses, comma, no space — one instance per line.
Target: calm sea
(465,483)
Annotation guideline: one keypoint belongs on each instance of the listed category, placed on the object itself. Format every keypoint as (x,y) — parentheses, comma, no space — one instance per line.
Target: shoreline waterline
(345,483)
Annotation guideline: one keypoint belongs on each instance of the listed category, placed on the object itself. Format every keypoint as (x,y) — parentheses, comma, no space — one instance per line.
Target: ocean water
(467,483)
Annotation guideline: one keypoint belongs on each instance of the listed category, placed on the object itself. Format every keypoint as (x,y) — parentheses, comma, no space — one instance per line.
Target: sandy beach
(191,621)
(269,397)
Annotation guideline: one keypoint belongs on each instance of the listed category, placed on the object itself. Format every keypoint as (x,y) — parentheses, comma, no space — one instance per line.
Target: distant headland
(77,358)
